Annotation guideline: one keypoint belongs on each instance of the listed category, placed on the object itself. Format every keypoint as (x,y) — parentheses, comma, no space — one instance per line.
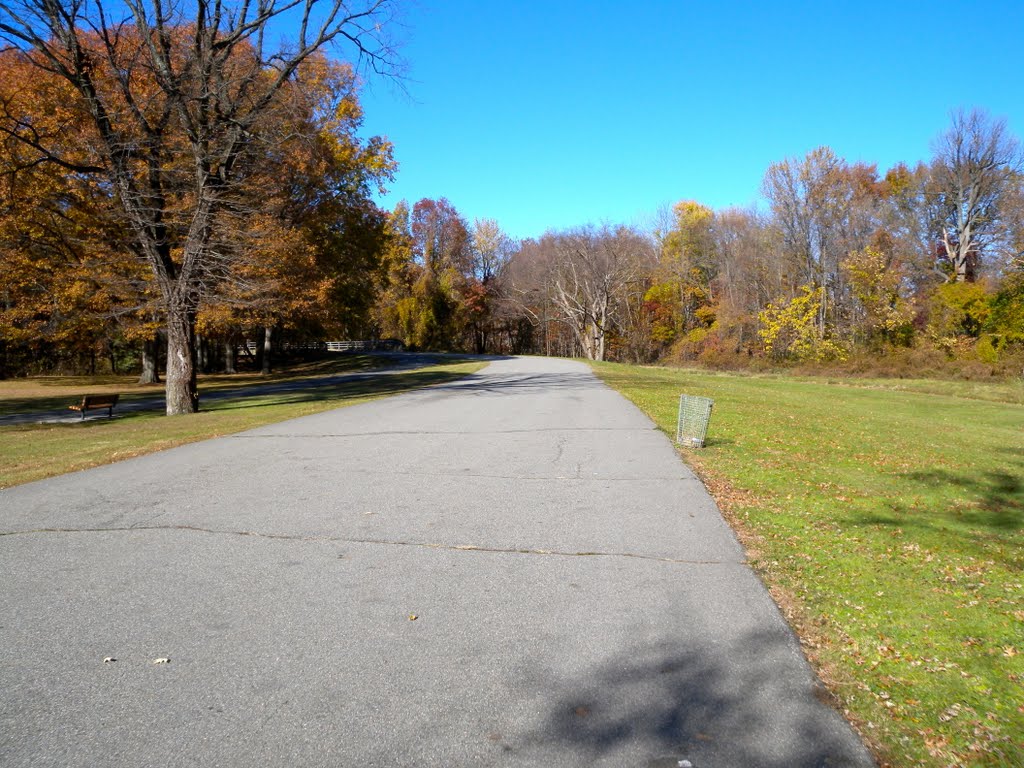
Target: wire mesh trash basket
(694,415)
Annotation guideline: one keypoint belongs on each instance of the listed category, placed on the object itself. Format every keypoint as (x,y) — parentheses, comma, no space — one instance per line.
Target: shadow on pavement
(526,383)
(339,388)
(745,703)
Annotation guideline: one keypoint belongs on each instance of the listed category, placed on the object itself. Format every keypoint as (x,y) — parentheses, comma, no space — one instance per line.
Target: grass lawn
(32,452)
(888,520)
(48,393)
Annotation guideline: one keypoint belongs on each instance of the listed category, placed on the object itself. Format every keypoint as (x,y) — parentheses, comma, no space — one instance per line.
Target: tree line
(172,186)
(844,263)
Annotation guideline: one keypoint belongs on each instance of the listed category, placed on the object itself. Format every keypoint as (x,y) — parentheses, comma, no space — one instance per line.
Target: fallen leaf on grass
(950,713)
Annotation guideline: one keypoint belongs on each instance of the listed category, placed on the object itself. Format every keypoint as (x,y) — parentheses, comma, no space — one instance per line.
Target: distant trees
(446,285)
(278,234)
(846,261)
(173,113)
(586,280)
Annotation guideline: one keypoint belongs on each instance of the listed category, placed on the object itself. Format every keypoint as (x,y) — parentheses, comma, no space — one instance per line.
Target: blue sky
(554,114)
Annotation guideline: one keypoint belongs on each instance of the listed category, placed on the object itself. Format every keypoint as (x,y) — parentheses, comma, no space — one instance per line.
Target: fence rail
(366,345)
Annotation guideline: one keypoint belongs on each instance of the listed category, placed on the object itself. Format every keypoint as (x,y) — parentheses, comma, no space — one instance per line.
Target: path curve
(511,570)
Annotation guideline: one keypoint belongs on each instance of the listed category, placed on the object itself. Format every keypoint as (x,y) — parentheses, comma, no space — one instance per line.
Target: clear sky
(555,114)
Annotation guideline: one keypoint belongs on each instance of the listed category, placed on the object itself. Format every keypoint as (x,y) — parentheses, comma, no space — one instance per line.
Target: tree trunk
(229,357)
(267,333)
(150,361)
(201,354)
(182,393)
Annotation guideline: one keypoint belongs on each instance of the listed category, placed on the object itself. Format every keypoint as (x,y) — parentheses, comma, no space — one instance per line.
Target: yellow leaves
(691,215)
(876,284)
(792,330)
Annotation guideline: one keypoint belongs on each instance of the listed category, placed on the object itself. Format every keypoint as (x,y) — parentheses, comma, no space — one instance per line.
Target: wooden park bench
(95,402)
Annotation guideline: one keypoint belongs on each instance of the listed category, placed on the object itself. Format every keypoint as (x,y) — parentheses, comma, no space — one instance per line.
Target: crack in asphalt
(321,435)
(576,469)
(378,542)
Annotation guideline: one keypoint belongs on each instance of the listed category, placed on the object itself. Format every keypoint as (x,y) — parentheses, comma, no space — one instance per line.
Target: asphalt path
(511,570)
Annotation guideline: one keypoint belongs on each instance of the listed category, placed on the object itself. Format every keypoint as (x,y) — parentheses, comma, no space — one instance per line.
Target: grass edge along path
(36,451)
(889,527)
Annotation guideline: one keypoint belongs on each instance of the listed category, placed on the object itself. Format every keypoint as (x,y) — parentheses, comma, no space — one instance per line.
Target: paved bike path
(511,570)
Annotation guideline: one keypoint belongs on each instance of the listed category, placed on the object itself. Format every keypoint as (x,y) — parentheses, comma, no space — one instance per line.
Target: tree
(746,279)
(70,283)
(876,280)
(824,208)
(176,105)
(311,251)
(681,297)
(440,236)
(976,163)
(490,250)
(789,329)
(591,276)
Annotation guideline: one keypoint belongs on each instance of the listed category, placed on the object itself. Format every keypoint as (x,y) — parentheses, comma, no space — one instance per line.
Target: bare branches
(175,103)
(586,275)
(976,161)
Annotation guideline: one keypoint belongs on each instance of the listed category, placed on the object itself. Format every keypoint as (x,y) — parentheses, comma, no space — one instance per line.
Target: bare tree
(175,93)
(592,275)
(976,163)
(824,208)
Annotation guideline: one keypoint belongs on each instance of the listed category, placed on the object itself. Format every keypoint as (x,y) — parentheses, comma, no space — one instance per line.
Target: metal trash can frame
(694,416)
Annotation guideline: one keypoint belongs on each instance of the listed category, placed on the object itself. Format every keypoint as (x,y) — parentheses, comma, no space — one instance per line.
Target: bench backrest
(99,401)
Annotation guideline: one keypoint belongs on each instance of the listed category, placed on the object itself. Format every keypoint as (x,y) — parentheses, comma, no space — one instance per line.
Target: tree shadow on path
(749,702)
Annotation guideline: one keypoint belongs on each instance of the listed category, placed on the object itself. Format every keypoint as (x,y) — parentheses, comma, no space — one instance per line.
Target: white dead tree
(977,162)
(592,273)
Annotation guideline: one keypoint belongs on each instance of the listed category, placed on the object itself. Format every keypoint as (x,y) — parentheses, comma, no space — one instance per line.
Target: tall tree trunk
(182,392)
(267,336)
(586,334)
(150,361)
(229,357)
(202,354)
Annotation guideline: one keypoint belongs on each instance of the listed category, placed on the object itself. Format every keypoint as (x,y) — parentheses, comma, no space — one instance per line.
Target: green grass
(33,452)
(888,519)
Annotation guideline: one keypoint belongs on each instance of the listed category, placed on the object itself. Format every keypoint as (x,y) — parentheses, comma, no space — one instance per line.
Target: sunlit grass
(888,518)
(34,452)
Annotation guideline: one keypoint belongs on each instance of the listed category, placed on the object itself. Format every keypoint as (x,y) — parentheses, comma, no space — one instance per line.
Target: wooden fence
(366,345)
